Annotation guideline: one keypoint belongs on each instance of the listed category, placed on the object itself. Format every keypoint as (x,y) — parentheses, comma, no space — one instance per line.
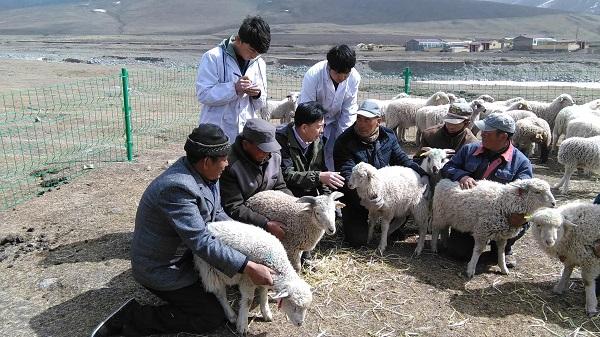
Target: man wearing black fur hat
(170,226)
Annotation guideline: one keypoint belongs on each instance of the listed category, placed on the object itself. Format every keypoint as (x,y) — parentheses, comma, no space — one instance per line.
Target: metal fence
(50,135)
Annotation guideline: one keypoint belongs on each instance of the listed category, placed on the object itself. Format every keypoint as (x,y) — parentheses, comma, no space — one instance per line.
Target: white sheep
(429,116)
(283,109)
(306,219)
(395,192)
(578,152)
(571,233)
(516,104)
(483,211)
(401,113)
(486,98)
(520,114)
(548,111)
(583,127)
(260,247)
(570,113)
(530,131)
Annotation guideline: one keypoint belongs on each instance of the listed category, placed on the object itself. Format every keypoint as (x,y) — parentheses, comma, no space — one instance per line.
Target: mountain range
(583,6)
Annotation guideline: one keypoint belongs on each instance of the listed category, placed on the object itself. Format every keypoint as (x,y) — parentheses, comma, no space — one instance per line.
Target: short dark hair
(308,113)
(256,32)
(341,58)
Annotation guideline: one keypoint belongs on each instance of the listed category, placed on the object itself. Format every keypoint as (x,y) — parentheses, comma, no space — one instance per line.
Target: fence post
(127,113)
(407,76)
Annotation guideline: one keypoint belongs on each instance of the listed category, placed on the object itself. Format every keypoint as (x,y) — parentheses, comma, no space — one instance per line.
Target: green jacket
(301,172)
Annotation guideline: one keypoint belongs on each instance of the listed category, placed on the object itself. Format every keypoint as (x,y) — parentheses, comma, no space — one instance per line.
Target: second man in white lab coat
(333,83)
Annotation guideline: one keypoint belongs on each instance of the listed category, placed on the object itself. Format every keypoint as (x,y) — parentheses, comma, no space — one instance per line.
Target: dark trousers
(354,219)
(460,245)
(190,309)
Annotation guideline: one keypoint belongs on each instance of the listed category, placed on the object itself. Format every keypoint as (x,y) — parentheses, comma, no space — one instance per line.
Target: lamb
(583,127)
(284,109)
(578,152)
(483,210)
(395,192)
(548,111)
(569,113)
(306,218)
(530,131)
(429,116)
(571,233)
(401,113)
(261,247)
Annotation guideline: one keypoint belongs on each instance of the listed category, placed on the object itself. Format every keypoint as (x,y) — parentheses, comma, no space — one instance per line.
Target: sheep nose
(549,242)
(299,324)
(554,204)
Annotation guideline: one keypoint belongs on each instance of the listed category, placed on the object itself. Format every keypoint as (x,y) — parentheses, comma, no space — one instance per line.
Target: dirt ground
(64,261)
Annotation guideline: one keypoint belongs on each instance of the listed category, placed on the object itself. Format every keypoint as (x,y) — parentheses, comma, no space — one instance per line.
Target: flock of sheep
(570,232)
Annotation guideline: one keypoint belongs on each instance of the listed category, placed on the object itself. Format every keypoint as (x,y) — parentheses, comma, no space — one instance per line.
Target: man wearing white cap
(496,159)
(365,141)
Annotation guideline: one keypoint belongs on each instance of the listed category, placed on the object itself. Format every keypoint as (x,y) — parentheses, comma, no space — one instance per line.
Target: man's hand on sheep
(516,220)
(332,179)
(276,228)
(259,274)
(467,182)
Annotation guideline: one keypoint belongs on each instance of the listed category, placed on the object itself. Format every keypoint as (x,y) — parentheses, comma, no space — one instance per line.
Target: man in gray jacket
(254,166)
(170,226)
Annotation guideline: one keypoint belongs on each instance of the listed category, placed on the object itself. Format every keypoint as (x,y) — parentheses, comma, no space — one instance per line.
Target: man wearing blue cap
(254,166)
(496,159)
(365,141)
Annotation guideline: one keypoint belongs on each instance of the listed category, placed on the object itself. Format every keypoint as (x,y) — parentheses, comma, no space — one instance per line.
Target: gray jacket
(170,224)
(244,178)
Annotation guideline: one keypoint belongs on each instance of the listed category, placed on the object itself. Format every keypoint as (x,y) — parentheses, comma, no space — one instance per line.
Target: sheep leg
(221,294)
(264,304)
(444,237)
(591,302)
(421,243)
(564,181)
(294,257)
(500,245)
(374,217)
(385,227)
(562,284)
(247,291)
(477,250)
(435,232)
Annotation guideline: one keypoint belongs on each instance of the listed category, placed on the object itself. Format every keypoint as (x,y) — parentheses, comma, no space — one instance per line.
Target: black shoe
(114,324)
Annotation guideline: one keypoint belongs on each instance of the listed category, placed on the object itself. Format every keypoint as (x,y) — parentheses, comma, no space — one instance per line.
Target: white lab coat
(218,71)
(341,104)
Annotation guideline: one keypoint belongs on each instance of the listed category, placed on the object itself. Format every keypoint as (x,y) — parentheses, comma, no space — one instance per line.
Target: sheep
(429,116)
(394,192)
(578,152)
(260,247)
(486,98)
(548,111)
(401,113)
(455,99)
(569,113)
(571,233)
(306,219)
(583,127)
(283,109)
(517,104)
(530,131)
(483,211)
(520,114)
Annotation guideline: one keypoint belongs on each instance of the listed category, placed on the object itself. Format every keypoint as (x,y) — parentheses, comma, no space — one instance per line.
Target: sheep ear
(336,195)
(339,204)
(568,224)
(307,199)
(281,294)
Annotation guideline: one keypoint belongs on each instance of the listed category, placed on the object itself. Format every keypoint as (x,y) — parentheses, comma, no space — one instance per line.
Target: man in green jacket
(302,161)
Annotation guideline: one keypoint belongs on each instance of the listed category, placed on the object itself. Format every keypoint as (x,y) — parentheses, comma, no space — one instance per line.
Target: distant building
(456,46)
(546,44)
(424,45)
(485,45)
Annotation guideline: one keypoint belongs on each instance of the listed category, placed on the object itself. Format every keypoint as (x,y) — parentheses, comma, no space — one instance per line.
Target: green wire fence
(50,135)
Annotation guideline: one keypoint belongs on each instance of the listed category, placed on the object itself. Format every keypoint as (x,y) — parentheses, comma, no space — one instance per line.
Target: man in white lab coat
(333,83)
(231,83)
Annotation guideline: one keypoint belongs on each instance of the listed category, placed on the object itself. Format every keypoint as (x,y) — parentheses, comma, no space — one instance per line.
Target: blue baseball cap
(497,121)
(369,108)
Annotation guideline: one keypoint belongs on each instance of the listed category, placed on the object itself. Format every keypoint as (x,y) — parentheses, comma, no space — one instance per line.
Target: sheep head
(294,300)
(535,194)
(434,160)
(439,98)
(323,209)
(564,100)
(486,98)
(549,226)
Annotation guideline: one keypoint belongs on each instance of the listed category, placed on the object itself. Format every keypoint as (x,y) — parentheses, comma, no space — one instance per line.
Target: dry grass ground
(64,265)
(78,237)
